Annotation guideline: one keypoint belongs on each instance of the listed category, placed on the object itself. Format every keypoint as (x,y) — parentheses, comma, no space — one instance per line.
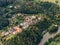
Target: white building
(39,18)
(10,6)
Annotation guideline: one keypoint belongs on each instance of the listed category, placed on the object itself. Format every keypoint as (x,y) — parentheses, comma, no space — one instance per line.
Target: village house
(15,30)
(39,18)
(31,20)
(10,6)
(3,34)
(21,24)
(28,18)
(33,17)
(26,25)
(19,14)
(15,7)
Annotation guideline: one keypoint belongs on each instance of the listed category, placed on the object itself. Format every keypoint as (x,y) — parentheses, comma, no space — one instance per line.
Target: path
(1,43)
(47,36)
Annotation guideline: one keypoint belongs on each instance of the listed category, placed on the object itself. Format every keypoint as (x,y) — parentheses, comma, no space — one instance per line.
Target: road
(1,43)
(47,36)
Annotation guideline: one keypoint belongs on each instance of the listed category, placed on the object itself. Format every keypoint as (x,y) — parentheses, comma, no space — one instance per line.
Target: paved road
(47,36)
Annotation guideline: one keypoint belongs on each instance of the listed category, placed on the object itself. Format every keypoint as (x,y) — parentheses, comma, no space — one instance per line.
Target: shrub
(52,28)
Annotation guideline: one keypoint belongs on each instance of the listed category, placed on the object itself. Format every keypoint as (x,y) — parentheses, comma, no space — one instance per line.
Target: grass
(10,37)
(49,0)
(1,43)
(52,43)
(58,43)
(53,1)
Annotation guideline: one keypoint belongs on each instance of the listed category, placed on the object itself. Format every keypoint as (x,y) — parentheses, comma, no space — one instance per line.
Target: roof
(15,30)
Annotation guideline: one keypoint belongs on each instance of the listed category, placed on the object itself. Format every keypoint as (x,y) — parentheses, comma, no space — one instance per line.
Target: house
(39,18)
(19,14)
(21,24)
(10,6)
(28,18)
(3,34)
(33,17)
(15,7)
(15,30)
(25,25)
(7,33)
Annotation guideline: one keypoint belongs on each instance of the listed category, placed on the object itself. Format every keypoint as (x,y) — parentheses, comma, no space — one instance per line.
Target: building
(28,18)
(19,14)
(15,30)
(3,34)
(39,18)
(33,17)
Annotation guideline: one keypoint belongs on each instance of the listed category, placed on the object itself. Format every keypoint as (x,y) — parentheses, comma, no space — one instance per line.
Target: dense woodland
(31,36)
(27,7)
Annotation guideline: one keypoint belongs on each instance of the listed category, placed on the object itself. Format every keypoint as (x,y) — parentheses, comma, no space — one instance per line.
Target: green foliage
(4,3)
(3,23)
(52,28)
(54,41)
(33,35)
(28,37)
(43,25)
(39,7)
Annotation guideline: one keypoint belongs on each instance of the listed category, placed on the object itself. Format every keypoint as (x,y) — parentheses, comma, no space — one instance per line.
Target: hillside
(28,22)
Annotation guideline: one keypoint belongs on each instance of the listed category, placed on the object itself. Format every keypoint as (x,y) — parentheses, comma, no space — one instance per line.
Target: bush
(43,25)
(52,28)
(3,23)
(32,7)
(28,37)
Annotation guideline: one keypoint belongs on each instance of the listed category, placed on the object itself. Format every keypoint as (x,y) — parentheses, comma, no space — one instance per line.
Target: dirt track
(47,36)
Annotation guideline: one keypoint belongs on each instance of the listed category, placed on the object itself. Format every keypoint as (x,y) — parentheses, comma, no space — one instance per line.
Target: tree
(27,37)
(53,28)
(3,23)
(56,1)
